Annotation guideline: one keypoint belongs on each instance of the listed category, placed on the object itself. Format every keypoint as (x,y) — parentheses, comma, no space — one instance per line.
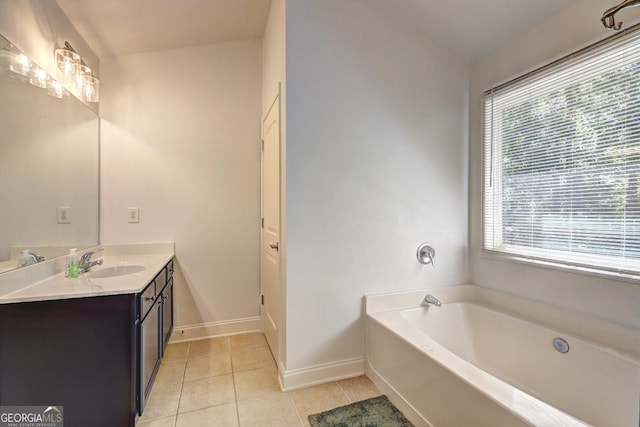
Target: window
(562,160)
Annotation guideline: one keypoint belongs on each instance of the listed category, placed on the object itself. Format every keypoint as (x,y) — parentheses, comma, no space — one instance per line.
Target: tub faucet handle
(426,254)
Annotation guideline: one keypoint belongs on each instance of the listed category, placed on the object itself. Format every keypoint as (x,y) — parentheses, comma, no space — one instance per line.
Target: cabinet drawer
(147,298)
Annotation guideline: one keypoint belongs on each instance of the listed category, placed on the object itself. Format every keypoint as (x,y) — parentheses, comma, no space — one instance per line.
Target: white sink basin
(116,270)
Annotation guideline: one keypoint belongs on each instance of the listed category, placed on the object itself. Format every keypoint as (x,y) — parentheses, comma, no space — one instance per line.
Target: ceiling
(467,27)
(471,28)
(121,27)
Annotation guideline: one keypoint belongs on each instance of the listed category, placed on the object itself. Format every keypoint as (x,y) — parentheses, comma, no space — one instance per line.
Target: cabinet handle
(148,298)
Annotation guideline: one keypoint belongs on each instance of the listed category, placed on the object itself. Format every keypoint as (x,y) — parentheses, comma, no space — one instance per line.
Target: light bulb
(38,78)
(20,65)
(67,61)
(91,89)
(82,72)
(56,89)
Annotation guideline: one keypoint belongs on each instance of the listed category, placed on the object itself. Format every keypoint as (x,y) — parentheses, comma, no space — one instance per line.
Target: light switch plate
(133,215)
(64,215)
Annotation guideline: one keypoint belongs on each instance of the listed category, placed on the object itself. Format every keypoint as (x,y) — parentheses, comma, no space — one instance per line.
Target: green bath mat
(375,412)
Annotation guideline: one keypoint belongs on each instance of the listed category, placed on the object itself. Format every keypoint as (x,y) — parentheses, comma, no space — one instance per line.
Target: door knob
(275,246)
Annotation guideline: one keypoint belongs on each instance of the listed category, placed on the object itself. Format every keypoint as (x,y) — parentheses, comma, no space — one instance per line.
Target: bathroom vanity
(91,345)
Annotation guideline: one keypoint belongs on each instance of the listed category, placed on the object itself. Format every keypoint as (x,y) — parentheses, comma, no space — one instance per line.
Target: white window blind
(562,160)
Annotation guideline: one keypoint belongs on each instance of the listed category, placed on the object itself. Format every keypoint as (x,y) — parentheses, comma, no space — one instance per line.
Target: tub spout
(431,300)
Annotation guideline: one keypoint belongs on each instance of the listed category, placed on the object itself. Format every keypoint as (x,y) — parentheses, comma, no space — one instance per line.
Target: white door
(270,256)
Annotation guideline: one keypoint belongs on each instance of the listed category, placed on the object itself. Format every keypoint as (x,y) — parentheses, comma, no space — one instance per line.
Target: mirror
(49,180)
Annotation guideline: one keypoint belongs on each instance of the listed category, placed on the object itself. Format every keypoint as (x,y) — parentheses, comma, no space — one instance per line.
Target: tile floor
(232,381)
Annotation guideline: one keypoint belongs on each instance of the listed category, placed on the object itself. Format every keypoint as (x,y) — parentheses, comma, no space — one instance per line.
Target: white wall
(570,30)
(376,164)
(180,139)
(273,54)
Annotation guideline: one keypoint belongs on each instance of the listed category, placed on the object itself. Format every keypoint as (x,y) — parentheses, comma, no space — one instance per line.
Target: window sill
(567,268)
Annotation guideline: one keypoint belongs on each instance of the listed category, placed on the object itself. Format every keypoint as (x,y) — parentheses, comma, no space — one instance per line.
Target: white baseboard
(214,329)
(320,374)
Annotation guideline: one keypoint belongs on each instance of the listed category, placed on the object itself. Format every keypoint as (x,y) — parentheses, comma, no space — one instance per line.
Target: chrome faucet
(85,261)
(28,258)
(431,300)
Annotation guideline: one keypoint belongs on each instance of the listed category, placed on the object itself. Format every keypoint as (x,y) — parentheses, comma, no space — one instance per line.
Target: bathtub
(485,358)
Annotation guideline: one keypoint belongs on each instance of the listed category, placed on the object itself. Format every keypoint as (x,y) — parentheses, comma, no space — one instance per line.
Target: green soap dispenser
(25,259)
(73,270)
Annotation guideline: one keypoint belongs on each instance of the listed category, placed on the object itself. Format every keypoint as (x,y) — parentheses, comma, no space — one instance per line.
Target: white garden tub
(485,358)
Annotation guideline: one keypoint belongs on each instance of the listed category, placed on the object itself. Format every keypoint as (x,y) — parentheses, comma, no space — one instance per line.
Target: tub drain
(561,345)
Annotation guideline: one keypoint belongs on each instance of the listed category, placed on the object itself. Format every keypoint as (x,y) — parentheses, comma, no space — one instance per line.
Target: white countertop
(60,287)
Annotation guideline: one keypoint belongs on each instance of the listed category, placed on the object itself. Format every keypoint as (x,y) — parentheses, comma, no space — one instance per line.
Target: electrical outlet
(133,215)
(64,215)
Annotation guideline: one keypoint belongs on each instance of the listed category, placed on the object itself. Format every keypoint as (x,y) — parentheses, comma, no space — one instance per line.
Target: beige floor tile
(215,416)
(199,382)
(158,422)
(171,372)
(270,411)
(256,383)
(312,400)
(212,365)
(254,339)
(246,358)
(176,351)
(163,401)
(206,392)
(359,388)
(208,346)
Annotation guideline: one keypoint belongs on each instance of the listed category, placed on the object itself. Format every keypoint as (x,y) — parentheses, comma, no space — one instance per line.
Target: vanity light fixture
(56,89)
(38,77)
(77,73)
(80,76)
(91,88)
(27,71)
(67,61)
(20,64)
